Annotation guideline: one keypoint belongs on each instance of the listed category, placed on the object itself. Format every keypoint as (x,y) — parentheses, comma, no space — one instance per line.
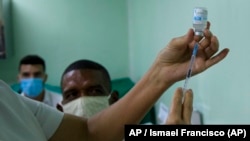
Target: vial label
(199,20)
(200,16)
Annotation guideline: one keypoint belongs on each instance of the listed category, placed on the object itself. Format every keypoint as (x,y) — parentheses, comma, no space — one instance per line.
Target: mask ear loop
(109,96)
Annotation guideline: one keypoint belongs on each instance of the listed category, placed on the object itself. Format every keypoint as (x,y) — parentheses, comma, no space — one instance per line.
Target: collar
(45,98)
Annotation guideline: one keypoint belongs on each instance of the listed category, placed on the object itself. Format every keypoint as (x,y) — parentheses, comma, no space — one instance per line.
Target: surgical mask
(31,87)
(87,106)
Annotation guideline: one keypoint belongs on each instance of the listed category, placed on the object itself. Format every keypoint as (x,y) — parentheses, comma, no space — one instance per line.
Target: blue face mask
(31,87)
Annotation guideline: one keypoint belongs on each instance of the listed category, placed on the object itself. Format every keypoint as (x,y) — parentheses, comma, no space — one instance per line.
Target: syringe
(189,72)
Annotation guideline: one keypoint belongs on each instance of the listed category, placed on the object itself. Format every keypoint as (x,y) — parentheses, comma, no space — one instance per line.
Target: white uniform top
(23,119)
(51,98)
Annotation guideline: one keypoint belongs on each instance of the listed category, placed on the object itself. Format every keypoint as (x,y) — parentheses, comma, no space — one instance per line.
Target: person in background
(46,123)
(32,77)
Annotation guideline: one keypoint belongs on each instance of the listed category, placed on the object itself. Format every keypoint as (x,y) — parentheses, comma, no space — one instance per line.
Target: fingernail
(190,91)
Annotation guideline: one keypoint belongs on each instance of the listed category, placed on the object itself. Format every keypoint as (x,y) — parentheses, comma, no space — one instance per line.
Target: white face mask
(86,106)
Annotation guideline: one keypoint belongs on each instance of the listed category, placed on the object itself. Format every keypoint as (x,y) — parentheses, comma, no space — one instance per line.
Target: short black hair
(32,60)
(88,64)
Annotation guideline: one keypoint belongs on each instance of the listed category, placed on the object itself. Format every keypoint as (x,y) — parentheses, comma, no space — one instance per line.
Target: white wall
(222,92)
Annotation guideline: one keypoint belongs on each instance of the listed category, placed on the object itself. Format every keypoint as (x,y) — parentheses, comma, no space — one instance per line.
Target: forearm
(132,107)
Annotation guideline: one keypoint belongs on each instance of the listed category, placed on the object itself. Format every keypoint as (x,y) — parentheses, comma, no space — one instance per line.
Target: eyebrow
(99,86)
(38,73)
(71,88)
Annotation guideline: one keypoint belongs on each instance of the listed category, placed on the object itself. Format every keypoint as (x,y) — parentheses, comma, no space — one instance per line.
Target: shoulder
(53,94)
(3,85)
(20,111)
(5,91)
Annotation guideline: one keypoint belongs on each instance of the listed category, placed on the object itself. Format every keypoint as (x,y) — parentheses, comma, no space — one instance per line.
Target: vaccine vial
(199,20)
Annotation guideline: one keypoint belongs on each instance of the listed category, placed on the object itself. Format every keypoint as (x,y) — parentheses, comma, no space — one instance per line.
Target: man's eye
(96,92)
(38,74)
(71,95)
(25,75)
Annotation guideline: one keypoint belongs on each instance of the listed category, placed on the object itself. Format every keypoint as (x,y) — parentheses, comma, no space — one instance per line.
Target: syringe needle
(189,72)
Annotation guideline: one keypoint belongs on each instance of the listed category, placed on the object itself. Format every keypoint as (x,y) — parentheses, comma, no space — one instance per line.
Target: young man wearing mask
(86,88)
(32,78)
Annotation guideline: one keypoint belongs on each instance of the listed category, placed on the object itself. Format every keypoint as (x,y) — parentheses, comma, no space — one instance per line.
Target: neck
(40,97)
